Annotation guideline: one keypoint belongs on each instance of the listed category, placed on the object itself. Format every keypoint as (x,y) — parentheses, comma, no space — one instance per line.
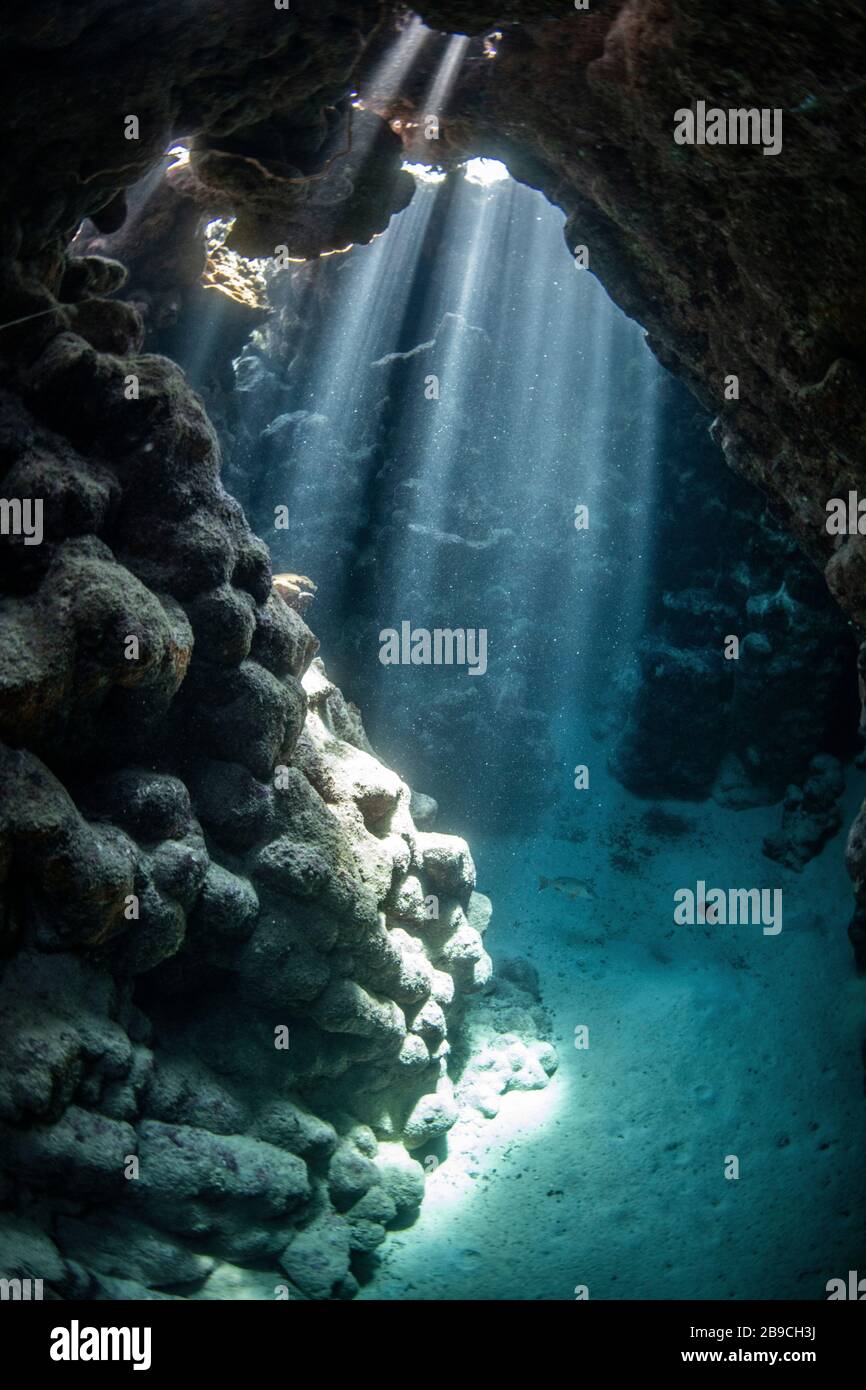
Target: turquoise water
(702,1044)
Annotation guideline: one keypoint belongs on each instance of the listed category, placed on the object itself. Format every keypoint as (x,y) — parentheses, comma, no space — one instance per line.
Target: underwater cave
(431,683)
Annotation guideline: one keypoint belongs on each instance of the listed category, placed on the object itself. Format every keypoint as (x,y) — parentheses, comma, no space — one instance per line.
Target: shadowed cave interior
(331,971)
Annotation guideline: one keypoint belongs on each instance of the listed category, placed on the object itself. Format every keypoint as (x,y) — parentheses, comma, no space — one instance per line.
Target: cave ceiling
(737,265)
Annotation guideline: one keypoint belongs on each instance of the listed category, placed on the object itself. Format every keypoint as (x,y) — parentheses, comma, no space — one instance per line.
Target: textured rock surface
(199,868)
(698,243)
(810,815)
(582,105)
(742,729)
(230,1077)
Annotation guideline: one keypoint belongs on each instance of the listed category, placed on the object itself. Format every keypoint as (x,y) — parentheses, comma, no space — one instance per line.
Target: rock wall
(694,724)
(736,263)
(214,922)
(226,995)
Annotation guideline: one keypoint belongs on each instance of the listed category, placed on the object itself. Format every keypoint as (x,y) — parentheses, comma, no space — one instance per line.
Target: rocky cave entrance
(406,440)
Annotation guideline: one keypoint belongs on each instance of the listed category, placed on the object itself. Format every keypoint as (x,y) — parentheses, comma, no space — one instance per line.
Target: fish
(292,584)
(571,888)
(296,590)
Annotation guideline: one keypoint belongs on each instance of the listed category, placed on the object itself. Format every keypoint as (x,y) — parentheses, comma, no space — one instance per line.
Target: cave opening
(470,426)
(467,421)
(460,423)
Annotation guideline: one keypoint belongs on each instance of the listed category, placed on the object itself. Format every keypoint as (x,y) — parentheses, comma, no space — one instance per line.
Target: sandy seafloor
(704,1042)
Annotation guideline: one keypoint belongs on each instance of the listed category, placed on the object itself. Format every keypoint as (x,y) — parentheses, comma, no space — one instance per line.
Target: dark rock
(350,1175)
(521,973)
(232,804)
(185,1170)
(90,1151)
(223,623)
(227,906)
(284,963)
(150,806)
(179,867)
(282,642)
(255,718)
(186,1092)
(424,810)
(810,816)
(91,275)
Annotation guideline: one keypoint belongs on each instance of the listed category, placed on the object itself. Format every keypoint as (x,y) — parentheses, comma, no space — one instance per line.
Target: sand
(705,1042)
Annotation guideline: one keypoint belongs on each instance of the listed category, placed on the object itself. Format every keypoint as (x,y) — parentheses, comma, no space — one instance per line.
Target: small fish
(292,584)
(296,590)
(571,888)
